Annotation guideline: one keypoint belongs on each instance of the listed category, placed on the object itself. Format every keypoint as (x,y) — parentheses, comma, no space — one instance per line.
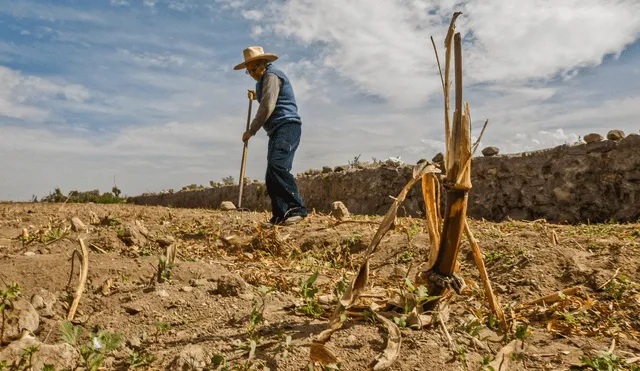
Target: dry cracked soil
(240,297)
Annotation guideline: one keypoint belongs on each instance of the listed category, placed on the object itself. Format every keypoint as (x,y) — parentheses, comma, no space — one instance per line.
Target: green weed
(311,307)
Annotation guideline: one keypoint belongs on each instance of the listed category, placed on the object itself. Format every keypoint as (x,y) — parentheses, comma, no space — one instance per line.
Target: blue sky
(144,90)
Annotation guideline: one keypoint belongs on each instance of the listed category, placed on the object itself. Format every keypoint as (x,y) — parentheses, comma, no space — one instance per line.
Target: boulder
(326,169)
(227,206)
(439,157)
(593,137)
(338,168)
(339,210)
(615,134)
(490,151)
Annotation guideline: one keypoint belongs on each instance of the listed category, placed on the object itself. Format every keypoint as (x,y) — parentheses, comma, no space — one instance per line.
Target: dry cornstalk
(477,143)
(457,179)
(494,303)
(82,283)
(430,187)
(447,67)
(554,297)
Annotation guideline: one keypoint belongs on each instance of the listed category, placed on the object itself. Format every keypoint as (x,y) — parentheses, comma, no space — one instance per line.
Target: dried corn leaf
(394,340)
(555,297)
(503,361)
(321,354)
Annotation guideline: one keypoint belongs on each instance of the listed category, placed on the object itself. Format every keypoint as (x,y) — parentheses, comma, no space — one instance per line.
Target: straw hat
(253,53)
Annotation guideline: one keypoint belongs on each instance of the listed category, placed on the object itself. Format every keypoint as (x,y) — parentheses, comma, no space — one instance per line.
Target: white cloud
(385,49)
(254,15)
(119,2)
(22,96)
(182,5)
(256,30)
(154,60)
(149,3)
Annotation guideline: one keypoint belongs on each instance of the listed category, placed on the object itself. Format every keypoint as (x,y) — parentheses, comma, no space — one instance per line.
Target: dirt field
(206,309)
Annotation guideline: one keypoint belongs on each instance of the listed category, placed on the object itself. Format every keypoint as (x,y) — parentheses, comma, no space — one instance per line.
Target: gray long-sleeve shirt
(270,90)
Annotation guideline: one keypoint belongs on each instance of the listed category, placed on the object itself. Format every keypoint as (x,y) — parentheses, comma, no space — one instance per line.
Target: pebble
(187,288)
(162,293)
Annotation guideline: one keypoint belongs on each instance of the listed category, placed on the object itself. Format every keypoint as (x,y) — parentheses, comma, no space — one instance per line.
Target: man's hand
(251,94)
(246,136)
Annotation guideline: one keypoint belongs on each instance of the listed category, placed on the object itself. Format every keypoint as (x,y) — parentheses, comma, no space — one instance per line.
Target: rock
(593,137)
(29,253)
(22,317)
(338,168)
(132,236)
(326,169)
(93,218)
(231,285)
(77,225)
(246,296)
(192,357)
(227,206)
(162,293)
(142,229)
(422,160)
(615,134)
(44,301)
(490,151)
(165,241)
(135,342)
(186,289)
(61,356)
(352,340)
(133,308)
(198,282)
(439,157)
(339,211)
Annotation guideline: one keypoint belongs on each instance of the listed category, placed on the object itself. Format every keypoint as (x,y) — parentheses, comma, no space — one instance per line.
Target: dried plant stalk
(447,83)
(429,188)
(554,297)
(494,303)
(477,143)
(82,283)
(457,181)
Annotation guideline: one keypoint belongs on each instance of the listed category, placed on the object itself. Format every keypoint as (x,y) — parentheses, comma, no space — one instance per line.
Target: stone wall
(597,181)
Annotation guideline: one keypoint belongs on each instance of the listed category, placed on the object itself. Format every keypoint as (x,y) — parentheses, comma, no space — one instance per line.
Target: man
(278,115)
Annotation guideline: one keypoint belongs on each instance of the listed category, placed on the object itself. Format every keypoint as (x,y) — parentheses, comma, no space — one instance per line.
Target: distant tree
(116,191)
(228,180)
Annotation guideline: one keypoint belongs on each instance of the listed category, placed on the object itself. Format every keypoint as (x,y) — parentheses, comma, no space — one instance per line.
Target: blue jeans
(281,185)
